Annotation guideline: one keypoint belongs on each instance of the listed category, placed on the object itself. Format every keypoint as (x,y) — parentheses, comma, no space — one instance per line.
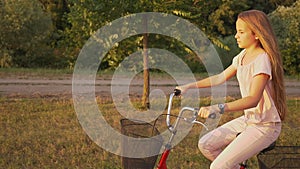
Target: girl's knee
(207,142)
(202,144)
(206,149)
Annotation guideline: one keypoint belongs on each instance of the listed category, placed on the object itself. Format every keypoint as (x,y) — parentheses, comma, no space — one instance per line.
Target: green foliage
(286,23)
(85,18)
(57,9)
(23,33)
(215,18)
(51,33)
(224,17)
(226,56)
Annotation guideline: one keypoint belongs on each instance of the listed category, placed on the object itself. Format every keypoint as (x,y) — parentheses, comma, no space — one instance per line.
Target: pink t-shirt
(265,111)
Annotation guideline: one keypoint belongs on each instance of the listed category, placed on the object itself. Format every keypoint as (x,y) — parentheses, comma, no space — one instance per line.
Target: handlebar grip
(177,92)
(212,116)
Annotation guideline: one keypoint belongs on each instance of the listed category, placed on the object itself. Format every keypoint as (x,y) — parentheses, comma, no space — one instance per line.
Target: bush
(286,24)
(226,55)
(24,33)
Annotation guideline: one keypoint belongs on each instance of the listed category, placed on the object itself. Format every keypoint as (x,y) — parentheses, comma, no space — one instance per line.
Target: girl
(259,71)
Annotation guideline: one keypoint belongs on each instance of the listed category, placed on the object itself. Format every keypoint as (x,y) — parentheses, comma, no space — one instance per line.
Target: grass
(45,133)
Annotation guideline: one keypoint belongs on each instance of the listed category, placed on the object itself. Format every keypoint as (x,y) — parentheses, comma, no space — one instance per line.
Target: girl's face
(244,36)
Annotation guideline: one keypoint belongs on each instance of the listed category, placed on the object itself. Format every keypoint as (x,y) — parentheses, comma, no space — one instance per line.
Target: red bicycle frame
(163,160)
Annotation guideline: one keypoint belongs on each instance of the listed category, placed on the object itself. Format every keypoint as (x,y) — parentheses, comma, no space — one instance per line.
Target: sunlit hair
(260,25)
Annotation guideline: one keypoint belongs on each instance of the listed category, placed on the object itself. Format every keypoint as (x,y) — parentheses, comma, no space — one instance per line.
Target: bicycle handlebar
(177,92)
(192,120)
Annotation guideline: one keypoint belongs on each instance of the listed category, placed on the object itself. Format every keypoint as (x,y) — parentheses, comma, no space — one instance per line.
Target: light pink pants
(226,151)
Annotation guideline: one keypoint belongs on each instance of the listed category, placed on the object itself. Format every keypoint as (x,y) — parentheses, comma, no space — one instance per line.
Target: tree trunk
(146,88)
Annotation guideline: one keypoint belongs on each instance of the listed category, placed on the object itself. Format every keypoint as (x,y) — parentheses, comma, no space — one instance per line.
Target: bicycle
(162,164)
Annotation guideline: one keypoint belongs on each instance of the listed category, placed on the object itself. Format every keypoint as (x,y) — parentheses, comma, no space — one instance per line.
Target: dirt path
(41,87)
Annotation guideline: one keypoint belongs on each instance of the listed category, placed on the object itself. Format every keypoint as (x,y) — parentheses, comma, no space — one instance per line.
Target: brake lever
(193,119)
(198,122)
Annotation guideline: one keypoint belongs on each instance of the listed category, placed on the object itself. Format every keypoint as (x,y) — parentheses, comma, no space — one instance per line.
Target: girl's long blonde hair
(260,25)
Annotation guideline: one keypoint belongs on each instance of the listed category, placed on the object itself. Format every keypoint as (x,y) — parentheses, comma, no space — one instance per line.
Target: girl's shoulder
(262,58)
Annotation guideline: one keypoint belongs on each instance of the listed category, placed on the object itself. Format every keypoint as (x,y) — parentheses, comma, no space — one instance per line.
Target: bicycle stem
(170,127)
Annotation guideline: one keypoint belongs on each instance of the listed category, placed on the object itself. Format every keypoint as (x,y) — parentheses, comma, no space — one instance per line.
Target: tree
(146,88)
(24,30)
(214,18)
(57,9)
(286,24)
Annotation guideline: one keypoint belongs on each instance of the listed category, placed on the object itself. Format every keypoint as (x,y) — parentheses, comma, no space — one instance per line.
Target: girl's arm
(256,91)
(210,81)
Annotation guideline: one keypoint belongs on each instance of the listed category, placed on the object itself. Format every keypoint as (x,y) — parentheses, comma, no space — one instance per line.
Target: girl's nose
(236,36)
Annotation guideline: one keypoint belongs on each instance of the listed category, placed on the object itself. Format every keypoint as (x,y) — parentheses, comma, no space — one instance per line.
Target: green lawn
(45,133)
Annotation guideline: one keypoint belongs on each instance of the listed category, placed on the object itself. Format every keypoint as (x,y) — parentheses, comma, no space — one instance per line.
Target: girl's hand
(204,112)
